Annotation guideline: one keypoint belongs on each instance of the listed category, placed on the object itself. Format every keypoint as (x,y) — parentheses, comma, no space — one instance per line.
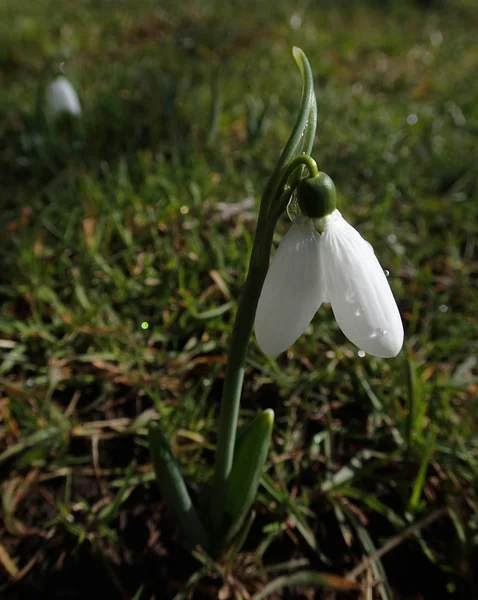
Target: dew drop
(412,119)
(386,272)
(359,312)
(378,333)
(350,296)
(443,308)
(361,353)
(30,382)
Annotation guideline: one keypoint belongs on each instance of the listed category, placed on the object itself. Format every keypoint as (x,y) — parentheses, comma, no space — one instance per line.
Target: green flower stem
(289,182)
(274,200)
(303,160)
(231,394)
(173,489)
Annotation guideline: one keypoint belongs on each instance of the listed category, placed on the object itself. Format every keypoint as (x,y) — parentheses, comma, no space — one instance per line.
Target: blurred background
(125,236)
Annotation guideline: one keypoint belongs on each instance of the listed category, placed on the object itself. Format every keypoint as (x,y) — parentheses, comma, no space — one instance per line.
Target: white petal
(62,98)
(358,290)
(292,290)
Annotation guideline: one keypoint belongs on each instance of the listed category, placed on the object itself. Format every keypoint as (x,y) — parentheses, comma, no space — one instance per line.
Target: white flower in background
(339,267)
(61,98)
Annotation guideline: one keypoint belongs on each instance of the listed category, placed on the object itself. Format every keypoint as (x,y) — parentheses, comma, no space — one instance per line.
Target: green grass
(121,268)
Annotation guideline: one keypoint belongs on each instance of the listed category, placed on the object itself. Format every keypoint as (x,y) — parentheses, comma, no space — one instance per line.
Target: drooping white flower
(61,98)
(293,289)
(338,266)
(358,290)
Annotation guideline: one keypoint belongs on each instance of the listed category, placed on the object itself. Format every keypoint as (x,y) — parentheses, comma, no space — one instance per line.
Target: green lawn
(124,244)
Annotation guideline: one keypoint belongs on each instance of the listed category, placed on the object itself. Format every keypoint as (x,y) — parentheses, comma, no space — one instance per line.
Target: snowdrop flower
(339,267)
(61,98)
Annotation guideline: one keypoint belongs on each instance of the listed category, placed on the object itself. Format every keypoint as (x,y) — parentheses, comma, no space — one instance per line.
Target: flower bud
(316,196)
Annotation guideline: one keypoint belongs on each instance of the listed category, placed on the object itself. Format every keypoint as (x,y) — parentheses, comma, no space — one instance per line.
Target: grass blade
(313,578)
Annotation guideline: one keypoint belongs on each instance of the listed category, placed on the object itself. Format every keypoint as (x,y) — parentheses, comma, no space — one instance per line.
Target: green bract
(316,196)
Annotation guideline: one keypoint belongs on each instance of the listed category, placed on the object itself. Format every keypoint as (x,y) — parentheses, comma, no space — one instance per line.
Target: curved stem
(289,182)
(246,313)
(276,189)
(231,393)
(301,160)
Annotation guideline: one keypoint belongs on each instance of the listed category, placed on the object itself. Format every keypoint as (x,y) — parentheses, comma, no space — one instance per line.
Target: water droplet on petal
(386,272)
(359,312)
(378,333)
(361,353)
(350,296)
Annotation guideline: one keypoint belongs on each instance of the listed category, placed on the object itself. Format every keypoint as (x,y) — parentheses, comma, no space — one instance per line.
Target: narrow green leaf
(373,503)
(195,578)
(240,539)
(377,567)
(419,483)
(173,489)
(216,312)
(250,455)
(39,437)
(111,510)
(139,593)
(313,578)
